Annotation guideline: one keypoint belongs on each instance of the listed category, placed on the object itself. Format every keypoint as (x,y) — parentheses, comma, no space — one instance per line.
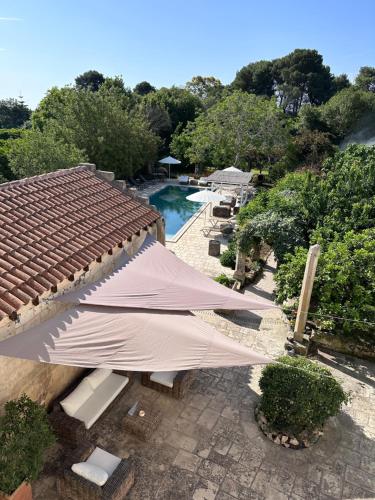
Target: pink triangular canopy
(135,340)
(154,278)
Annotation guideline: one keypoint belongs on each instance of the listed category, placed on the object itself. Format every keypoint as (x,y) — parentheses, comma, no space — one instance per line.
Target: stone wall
(41,381)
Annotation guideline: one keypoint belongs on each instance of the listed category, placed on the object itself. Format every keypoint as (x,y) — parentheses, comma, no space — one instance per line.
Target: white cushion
(91,472)
(104,460)
(164,378)
(101,398)
(98,376)
(77,398)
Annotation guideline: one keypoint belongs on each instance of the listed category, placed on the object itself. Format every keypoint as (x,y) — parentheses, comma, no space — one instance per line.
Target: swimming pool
(171,202)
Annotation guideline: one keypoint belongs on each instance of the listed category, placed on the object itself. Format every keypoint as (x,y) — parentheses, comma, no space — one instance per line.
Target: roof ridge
(48,175)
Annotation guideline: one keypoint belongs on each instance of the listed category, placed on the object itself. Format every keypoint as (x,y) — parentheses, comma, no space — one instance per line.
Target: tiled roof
(56,224)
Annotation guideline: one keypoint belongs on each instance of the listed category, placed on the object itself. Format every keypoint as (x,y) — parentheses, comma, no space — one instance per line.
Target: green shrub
(225,280)
(228,259)
(299,395)
(25,434)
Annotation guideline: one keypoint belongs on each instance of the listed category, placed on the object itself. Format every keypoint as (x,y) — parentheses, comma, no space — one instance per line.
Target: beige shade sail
(129,339)
(154,278)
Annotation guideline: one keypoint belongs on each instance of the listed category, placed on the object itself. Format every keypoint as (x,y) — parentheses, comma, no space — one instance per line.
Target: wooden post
(307,286)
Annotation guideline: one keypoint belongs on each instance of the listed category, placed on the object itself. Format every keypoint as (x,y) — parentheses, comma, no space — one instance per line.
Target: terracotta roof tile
(54,225)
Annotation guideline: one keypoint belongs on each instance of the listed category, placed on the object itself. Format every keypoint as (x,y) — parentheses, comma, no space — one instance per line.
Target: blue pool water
(171,202)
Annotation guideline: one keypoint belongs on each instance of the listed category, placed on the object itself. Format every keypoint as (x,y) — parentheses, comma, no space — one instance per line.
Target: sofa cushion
(164,378)
(98,376)
(104,460)
(91,472)
(77,398)
(101,398)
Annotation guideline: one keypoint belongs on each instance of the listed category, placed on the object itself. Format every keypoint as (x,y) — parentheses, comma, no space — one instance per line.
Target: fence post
(307,286)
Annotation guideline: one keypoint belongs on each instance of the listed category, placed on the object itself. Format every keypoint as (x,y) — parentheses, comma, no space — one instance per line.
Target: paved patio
(208,445)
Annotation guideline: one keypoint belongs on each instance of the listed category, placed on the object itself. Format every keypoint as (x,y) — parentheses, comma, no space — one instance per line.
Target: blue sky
(45,43)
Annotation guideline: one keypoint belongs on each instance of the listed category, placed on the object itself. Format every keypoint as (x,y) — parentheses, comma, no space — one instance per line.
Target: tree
(283,216)
(39,152)
(233,130)
(301,77)
(343,111)
(255,78)
(90,80)
(181,106)
(339,83)
(312,147)
(366,78)
(112,137)
(344,284)
(13,113)
(144,88)
(208,88)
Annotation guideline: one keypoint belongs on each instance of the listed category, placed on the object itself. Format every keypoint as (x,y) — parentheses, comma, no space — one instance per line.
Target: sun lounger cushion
(92,473)
(183,179)
(98,376)
(79,396)
(104,460)
(163,378)
(91,409)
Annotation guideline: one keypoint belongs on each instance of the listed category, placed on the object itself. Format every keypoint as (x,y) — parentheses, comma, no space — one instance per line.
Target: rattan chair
(71,485)
(181,383)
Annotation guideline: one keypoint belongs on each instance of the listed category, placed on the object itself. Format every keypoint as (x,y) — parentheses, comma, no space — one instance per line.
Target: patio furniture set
(89,471)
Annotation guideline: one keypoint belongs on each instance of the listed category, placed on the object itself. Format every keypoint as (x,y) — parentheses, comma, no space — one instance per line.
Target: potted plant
(298,397)
(25,434)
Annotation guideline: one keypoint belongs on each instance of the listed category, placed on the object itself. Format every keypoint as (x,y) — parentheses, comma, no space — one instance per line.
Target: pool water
(171,202)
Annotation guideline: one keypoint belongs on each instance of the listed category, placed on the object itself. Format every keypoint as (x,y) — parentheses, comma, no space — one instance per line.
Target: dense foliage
(233,131)
(101,125)
(25,434)
(299,395)
(13,113)
(225,280)
(336,210)
(37,153)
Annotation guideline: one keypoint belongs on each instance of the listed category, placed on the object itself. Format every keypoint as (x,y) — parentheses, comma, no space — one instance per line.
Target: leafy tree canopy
(13,113)
(90,80)
(144,88)
(233,130)
(302,77)
(208,88)
(366,78)
(255,78)
(181,105)
(40,152)
(343,111)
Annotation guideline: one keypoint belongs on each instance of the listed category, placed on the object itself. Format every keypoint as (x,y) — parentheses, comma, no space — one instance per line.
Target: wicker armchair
(70,431)
(73,486)
(181,383)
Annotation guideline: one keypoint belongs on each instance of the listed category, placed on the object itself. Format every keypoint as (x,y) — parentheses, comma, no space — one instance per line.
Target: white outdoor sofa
(77,410)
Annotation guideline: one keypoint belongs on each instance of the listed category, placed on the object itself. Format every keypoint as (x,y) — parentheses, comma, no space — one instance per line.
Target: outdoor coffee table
(145,424)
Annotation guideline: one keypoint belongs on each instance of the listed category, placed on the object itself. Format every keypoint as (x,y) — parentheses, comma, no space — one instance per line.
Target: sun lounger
(183,179)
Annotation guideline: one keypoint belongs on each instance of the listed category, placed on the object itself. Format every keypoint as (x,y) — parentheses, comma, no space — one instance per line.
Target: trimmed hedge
(299,395)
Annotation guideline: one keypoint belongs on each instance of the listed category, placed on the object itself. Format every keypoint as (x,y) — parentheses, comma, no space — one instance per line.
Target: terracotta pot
(23,492)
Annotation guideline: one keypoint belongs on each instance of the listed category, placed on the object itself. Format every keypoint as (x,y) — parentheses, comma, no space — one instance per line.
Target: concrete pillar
(160,230)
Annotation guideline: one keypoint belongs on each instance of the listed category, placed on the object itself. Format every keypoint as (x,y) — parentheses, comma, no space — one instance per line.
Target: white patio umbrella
(169,160)
(205,196)
(232,169)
